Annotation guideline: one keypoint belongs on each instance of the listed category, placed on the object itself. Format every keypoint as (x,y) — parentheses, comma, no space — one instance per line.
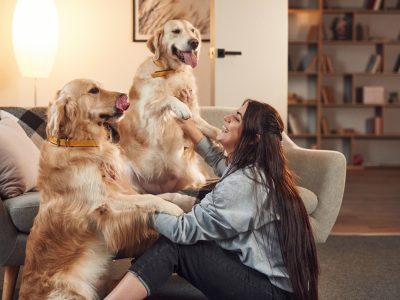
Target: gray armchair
(321,177)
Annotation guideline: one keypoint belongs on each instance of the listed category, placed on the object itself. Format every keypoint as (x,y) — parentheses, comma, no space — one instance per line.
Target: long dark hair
(260,146)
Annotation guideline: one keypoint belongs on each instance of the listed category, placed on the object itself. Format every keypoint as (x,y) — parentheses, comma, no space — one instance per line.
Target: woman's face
(232,129)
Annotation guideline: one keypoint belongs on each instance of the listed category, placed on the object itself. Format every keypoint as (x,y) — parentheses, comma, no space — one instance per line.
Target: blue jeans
(218,273)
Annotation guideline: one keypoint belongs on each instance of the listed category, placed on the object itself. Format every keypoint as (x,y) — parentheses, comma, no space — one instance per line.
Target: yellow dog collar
(162,73)
(71,143)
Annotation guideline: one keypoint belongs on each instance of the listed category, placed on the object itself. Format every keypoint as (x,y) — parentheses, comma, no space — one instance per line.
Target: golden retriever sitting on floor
(162,159)
(87,210)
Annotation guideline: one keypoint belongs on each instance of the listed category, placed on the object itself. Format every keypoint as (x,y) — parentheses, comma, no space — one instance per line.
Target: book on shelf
(377,5)
(359,32)
(377,64)
(324,125)
(373,4)
(396,68)
(374,64)
(368,4)
(307,62)
(327,95)
(378,125)
(313,32)
(370,63)
(362,32)
(294,125)
(312,66)
(347,92)
(326,64)
(374,125)
(359,95)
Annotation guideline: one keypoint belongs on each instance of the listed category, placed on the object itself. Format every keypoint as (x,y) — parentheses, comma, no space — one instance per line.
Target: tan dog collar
(71,143)
(161,73)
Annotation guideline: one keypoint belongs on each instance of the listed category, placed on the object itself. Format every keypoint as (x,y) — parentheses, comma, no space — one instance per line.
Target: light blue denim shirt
(231,216)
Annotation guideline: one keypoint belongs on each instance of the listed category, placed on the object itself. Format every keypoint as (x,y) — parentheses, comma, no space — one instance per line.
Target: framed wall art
(149,15)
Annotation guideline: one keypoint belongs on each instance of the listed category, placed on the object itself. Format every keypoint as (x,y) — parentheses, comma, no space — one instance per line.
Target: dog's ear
(154,43)
(61,113)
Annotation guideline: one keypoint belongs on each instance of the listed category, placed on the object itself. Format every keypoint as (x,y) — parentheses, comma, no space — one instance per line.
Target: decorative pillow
(32,120)
(19,160)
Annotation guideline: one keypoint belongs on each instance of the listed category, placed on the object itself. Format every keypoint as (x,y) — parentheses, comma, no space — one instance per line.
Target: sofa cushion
(19,160)
(309,198)
(23,209)
(32,120)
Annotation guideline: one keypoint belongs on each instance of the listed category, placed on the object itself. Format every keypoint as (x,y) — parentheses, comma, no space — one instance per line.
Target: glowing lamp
(35,37)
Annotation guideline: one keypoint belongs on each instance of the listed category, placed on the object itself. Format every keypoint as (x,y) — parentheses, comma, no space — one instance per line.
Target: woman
(250,237)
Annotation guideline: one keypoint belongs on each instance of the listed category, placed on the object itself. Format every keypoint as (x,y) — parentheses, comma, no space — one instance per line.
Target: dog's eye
(193,30)
(94,90)
(176,31)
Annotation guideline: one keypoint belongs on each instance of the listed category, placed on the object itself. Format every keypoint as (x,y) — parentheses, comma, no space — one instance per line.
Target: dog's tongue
(122,102)
(190,58)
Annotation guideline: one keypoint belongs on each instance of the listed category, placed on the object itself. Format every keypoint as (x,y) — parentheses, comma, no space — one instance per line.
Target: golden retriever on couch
(87,209)
(162,159)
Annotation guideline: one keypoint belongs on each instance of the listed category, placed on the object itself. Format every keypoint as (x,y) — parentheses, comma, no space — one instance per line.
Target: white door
(259,30)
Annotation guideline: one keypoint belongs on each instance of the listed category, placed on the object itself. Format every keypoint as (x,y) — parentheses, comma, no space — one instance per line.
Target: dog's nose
(122,102)
(193,43)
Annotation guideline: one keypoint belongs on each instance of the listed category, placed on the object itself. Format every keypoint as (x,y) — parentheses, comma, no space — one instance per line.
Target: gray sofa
(321,179)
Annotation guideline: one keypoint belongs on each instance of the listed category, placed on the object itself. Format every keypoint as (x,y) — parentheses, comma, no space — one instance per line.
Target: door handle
(221,53)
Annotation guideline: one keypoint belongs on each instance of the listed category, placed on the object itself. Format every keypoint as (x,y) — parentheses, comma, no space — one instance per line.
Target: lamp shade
(35,36)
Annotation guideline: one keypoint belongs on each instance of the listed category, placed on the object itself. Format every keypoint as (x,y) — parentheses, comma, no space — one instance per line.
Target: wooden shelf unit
(347,111)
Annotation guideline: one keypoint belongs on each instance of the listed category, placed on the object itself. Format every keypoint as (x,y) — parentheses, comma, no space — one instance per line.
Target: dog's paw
(183,201)
(170,208)
(180,109)
(167,196)
(161,205)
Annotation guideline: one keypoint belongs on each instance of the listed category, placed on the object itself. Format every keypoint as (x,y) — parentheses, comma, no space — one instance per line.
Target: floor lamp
(35,38)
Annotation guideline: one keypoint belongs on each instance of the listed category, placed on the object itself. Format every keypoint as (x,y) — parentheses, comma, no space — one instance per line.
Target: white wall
(95,42)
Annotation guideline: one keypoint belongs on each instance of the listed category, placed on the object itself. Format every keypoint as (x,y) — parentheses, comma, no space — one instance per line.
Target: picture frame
(149,15)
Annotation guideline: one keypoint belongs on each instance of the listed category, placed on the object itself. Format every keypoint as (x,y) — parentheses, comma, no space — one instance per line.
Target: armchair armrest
(8,236)
(324,173)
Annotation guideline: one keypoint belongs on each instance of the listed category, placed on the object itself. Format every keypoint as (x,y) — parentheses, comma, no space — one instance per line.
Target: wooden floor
(371,203)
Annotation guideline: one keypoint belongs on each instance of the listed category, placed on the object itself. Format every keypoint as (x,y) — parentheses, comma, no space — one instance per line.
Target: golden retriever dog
(88,210)
(162,159)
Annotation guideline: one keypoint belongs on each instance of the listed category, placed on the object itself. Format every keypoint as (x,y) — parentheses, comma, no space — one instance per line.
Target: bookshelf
(344,78)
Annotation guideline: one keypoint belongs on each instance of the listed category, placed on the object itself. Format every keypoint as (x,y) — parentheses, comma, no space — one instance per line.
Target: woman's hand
(190,130)
(189,127)
(185,95)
